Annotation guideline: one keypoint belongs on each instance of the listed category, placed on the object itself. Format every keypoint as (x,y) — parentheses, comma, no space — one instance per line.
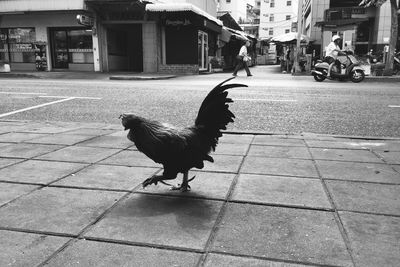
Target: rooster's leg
(185,183)
(154,180)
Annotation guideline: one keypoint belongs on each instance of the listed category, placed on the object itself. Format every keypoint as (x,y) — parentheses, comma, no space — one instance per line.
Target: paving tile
(92,253)
(374,239)
(131,158)
(365,197)
(19,137)
(109,177)
(58,210)
(9,191)
(279,166)
(24,249)
(279,152)
(390,157)
(38,171)
(60,139)
(23,150)
(300,235)
(368,172)
(205,185)
(236,138)
(6,162)
(281,190)
(220,260)
(46,128)
(108,141)
(224,163)
(273,141)
(172,221)
(335,144)
(231,149)
(344,155)
(80,154)
(90,131)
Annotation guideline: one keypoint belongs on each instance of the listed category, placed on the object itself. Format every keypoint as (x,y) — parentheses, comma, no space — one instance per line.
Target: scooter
(349,69)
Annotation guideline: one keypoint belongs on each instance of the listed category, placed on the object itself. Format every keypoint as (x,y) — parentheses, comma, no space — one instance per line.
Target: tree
(394,7)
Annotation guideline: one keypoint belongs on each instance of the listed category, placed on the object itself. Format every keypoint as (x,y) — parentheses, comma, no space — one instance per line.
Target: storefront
(188,37)
(65,46)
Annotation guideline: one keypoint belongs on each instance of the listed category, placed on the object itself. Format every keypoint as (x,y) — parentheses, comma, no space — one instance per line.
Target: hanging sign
(85,20)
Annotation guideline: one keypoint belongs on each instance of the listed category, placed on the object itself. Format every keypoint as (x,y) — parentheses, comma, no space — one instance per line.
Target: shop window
(80,46)
(17,45)
(181,46)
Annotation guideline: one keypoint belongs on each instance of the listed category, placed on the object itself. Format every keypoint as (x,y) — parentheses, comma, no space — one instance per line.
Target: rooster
(180,150)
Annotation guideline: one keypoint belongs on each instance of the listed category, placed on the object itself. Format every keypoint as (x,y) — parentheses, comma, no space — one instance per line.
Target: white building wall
(279,11)
(236,8)
(40,5)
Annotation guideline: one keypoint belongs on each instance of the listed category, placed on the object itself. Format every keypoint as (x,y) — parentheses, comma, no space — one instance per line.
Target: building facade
(105,35)
(361,29)
(277,17)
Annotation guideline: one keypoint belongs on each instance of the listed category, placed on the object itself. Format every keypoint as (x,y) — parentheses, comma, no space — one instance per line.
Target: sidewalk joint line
(222,211)
(336,216)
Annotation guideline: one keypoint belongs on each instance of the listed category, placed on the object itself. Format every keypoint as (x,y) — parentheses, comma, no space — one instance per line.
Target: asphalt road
(272,102)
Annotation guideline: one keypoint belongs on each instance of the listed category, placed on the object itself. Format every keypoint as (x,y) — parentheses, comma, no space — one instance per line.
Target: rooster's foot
(152,180)
(184,187)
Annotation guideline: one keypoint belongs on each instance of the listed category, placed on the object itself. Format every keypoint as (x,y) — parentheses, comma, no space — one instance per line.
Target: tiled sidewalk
(70,195)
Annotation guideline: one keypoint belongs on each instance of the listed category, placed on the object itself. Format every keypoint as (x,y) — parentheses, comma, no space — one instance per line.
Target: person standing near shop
(242,59)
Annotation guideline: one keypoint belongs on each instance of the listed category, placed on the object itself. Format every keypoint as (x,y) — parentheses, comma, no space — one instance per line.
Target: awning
(181,7)
(290,37)
(340,23)
(238,34)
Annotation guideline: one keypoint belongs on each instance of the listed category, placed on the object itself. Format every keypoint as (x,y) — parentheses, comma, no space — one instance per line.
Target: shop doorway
(203,50)
(59,49)
(125,47)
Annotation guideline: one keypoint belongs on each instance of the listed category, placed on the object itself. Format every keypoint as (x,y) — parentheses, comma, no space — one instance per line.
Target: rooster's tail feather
(214,114)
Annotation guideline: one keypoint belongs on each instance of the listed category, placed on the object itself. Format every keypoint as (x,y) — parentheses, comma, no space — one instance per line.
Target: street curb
(19,75)
(249,132)
(127,78)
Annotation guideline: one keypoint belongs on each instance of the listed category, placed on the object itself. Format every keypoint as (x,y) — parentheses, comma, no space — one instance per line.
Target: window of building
(288,3)
(271,17)
(271,31)
(266,15)
(17,45)
(228,1)
(272,4)
(266,1)
(288,17)
(287,30)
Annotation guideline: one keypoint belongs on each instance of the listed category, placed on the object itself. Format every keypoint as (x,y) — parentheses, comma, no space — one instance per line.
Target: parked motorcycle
(349,69)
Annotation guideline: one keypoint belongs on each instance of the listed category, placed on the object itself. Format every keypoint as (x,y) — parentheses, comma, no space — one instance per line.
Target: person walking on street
(242,59)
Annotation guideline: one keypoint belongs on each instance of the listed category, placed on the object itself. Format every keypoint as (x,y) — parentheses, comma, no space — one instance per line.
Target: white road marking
(265,100)
(34,107)
(393,106)
(77,97)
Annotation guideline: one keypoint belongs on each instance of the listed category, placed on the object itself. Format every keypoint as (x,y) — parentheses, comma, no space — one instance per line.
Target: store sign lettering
(23,46)
(178,22)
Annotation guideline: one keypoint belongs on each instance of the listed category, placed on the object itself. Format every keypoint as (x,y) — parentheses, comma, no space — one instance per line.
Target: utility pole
(298,39)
